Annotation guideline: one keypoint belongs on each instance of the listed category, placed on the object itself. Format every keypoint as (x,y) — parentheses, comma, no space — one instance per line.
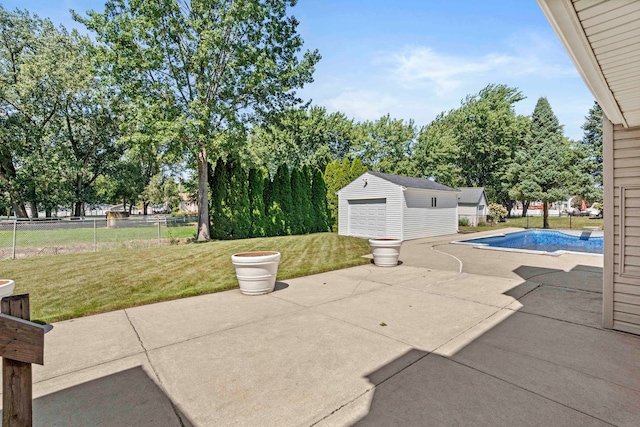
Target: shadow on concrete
(280,286)
(521,369)
(125,398)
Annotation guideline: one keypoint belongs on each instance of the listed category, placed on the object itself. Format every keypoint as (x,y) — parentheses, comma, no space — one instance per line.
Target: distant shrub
(497,211)
(463,222)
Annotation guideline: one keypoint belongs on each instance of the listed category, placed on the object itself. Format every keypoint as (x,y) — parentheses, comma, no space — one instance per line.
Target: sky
(414,59)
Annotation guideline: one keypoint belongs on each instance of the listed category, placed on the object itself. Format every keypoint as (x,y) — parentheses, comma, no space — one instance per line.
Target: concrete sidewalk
(414,345)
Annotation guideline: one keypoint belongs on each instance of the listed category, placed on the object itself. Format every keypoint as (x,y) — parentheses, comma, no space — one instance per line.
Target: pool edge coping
(522,251)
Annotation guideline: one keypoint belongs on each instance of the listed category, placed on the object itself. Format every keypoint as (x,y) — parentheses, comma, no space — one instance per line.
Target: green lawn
(565,222)
(68,286)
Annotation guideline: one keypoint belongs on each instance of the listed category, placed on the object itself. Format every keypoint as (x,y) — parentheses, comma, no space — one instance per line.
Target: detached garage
(381,205)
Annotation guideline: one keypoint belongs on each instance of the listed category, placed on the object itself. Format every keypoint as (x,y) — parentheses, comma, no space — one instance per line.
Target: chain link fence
(23,238)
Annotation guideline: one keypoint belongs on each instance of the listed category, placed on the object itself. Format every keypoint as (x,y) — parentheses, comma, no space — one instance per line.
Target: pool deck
(452,336)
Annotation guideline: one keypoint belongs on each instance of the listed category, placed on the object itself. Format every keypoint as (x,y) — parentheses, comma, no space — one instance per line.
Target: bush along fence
(252,204)
(54,236)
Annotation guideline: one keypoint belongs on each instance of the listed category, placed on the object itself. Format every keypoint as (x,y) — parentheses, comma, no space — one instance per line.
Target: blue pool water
(544,240)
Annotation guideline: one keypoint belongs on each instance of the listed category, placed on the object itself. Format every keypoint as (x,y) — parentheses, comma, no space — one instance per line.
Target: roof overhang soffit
(565,22)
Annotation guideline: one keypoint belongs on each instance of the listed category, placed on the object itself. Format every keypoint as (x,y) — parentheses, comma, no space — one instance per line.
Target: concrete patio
(453,336)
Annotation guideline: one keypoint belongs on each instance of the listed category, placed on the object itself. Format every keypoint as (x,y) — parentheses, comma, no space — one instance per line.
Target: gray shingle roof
(470,195)
(410,182)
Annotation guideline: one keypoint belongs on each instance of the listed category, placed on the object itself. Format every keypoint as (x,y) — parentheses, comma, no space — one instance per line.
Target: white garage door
(368,218)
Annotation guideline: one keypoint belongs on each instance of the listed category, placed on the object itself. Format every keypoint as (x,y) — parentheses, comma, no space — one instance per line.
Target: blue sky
(414,59)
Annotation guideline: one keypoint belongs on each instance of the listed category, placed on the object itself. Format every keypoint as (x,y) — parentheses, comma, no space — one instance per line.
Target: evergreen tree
(544,167)
(589,151)
(237,201)
(281,205)
(218,185)
(297,212)
(256,203)
(305,200)
(592,141)
(270,220)
(336,176)
(357,169)
(319,202)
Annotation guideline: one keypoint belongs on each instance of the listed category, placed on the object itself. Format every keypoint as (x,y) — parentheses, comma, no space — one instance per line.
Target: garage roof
(470,195)
(409,182)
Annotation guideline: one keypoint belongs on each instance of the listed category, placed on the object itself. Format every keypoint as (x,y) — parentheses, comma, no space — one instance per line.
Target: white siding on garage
(375,188)
(421,219)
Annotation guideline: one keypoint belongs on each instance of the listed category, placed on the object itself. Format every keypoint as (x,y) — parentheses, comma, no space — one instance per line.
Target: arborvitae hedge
(220,219)
(251,205)
(237,201)
(256,203)
(305,200)
(296,218)
(319,202)
(282,204)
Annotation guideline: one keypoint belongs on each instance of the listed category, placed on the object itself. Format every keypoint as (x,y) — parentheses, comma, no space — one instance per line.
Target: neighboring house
(188,203)
(603,40)
(472,205)
(381,205)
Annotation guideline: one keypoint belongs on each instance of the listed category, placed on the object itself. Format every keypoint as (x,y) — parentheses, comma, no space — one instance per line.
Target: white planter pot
(256,271)
(385,251)
(6,287)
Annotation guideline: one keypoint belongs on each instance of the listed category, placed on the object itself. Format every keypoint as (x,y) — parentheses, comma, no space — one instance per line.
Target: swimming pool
(542,241)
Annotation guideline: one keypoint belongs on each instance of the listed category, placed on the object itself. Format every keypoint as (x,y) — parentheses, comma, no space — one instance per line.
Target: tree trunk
(203,196)
(47,213)
(34,209)
(525,208)
(78,209)
(145,207)
(509,206)
(18,209)
(545,210)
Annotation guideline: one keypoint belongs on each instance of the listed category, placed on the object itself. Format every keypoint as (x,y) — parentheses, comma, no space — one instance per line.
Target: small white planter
(6,287)
(386,251)
(256,271)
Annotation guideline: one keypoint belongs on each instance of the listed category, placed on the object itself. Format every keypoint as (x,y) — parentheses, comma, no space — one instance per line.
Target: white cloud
(528,55)
(362,104)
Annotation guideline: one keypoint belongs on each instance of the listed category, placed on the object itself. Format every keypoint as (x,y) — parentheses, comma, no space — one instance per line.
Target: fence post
(158,230)
(95,239)
(13,244)
(16,376)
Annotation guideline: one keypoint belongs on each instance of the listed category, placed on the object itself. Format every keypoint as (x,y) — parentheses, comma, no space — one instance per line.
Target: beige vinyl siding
(625,262)
(375,188)
(423,220)
(611,30)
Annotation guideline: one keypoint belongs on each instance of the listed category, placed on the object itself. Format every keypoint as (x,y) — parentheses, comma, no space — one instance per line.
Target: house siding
(376,188)
(622,228)
(423,220)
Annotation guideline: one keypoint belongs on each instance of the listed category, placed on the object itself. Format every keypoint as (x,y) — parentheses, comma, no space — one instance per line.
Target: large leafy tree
(302,136)
(214,64)
(386,145)
(474,144)
(33,72)
(544,167)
